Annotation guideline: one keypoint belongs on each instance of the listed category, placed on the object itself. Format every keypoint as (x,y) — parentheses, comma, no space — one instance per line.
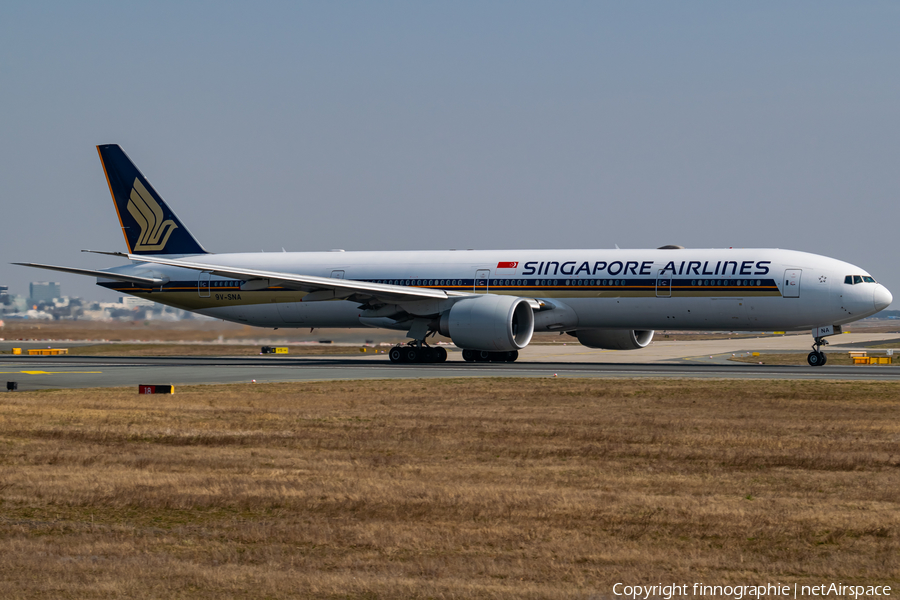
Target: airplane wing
(319,288)
(152,281)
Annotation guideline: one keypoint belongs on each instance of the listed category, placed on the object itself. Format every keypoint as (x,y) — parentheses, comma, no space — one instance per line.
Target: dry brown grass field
(799,358)
(163,349)
(792,358)
(113,349)
(509,488)
(187,330)
(190,330)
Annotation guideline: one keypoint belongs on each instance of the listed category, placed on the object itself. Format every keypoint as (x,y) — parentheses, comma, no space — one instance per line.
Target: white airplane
(488,302)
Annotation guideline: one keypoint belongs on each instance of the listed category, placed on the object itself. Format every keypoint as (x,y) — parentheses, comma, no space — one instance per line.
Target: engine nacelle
(490,322)
(614,339)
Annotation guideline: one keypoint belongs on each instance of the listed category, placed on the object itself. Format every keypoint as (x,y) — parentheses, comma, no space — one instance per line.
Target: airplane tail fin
(149,225)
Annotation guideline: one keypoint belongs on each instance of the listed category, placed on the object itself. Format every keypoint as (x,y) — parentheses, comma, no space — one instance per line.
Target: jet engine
(490,322)
(614,339)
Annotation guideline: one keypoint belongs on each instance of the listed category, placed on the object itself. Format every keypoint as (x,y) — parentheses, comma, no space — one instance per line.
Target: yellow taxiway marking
(47,372)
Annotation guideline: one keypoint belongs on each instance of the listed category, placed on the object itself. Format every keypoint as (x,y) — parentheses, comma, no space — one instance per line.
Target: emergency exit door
(663,285)
(791,283)
(203,285)
(482,277)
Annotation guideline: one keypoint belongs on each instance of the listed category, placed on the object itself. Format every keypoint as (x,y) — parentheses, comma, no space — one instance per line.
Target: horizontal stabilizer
(103,274)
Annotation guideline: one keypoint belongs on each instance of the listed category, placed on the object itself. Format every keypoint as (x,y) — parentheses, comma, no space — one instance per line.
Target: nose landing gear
(817,358)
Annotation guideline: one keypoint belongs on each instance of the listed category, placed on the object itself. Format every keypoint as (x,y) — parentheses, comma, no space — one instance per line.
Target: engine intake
(614,339)
(490,322)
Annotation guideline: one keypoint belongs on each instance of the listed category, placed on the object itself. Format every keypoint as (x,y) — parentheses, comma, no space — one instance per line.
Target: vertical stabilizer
(149,225)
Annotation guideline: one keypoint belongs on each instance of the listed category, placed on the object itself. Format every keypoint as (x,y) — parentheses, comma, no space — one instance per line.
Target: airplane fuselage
(710,289)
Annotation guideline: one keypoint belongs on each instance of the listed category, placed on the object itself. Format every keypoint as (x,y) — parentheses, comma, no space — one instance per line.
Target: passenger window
(857,279)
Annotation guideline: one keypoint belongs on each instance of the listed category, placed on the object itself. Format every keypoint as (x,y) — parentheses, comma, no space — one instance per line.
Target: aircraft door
(791,283)
(203,285)
(482,276)
(663,285)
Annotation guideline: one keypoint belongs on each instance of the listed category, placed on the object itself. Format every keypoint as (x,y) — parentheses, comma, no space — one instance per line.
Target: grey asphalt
(37,373)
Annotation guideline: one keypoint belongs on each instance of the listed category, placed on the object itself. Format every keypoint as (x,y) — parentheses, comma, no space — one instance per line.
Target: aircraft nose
(882,297)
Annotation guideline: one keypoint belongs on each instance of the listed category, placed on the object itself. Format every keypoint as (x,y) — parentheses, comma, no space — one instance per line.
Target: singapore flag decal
(507,265)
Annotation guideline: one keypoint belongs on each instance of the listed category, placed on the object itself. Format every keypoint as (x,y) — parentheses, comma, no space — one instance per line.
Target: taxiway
(34,373)
(663,358)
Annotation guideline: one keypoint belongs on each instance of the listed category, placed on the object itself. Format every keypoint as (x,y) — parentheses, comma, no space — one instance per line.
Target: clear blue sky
(419,125)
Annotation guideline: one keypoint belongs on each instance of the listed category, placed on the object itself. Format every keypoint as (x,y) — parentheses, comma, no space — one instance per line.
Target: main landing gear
(817,358)
(484,356)
(417,352)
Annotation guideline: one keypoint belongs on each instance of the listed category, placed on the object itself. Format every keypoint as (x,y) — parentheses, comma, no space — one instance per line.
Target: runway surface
(36,373)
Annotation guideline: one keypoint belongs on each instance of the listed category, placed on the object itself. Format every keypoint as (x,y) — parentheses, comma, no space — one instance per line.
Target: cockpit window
(852,279)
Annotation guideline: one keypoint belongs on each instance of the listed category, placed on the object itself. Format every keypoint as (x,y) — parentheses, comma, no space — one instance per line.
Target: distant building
(133,301)
(43,291)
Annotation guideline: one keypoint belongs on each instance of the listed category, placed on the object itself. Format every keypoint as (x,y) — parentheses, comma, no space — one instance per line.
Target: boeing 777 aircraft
(488,302)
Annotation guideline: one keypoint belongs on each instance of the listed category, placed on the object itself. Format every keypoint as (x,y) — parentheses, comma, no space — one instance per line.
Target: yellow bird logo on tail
(149,215)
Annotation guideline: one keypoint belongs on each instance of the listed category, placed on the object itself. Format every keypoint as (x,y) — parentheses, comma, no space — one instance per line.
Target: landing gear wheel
(817,358)
(396,354)
(428,354)
(441,354)
(485,356)
(411,355)
(510,356)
